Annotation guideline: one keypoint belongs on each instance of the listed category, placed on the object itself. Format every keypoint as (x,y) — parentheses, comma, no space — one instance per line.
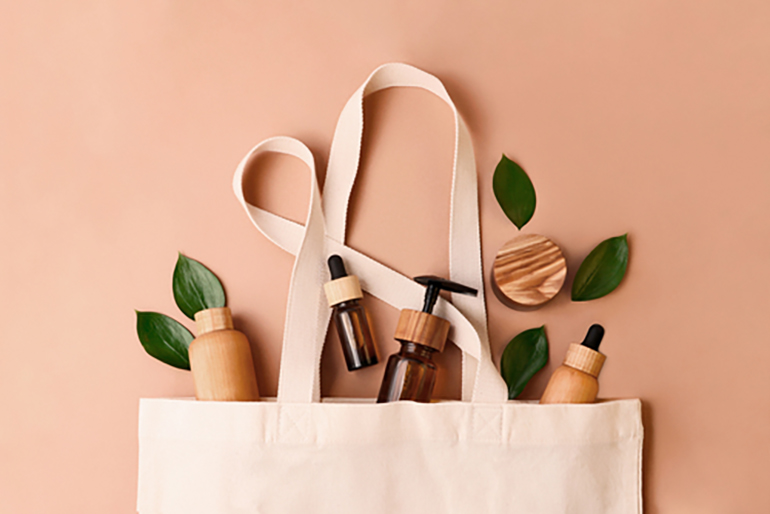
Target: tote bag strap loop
(307,315)
(306,310)
(465,263)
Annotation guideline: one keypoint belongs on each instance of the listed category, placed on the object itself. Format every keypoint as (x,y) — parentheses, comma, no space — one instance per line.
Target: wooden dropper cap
(585,356)
(423,327)
(342,287)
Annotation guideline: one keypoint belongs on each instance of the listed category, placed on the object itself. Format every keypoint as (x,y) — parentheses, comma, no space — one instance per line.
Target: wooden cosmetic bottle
(411,373)
(575,380)
(220,359)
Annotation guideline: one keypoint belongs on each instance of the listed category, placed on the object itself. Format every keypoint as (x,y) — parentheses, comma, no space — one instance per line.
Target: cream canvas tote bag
(298,454)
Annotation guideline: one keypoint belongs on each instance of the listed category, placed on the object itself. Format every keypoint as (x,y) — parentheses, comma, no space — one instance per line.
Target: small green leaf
(524,356)
(196,288)
(164,338)
(514,191)
(603,269)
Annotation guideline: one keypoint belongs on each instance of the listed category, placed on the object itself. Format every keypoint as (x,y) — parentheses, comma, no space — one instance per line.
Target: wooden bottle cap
(584,359)
(529,270)
(342,290)
(209,320)
(422,328)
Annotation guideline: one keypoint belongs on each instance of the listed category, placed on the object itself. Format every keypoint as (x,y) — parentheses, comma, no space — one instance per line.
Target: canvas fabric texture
(300,454)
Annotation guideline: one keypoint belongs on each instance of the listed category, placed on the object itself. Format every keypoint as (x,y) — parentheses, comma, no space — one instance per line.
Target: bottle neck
(347,303)
(210,320)
(426,352)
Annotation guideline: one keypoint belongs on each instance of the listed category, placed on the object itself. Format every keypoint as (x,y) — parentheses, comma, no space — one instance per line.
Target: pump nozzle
(436,285)
(594,337)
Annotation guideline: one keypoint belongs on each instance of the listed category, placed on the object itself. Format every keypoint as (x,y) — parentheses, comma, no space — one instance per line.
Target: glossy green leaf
(602,271)
(164,338)
(196,288)
(514,191)
(524,356)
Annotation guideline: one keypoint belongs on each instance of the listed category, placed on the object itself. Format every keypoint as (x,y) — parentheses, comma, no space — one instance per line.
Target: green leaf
(196,288)
(164,338)
(514,192)
(524,356)
(603,269)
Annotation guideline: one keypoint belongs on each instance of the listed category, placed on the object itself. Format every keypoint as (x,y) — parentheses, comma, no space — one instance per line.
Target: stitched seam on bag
(487,426)
(288,424)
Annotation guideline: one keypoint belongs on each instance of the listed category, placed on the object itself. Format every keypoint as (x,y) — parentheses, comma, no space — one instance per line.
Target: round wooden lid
(422,328)
(530,270)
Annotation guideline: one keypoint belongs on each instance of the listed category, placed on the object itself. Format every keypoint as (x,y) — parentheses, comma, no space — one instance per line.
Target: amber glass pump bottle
(411,373)
(350,316)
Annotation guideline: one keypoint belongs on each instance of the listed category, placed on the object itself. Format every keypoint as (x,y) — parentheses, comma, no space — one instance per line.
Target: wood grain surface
(575,381)
(569,385)
(529,270)
(422,328)
(220,359)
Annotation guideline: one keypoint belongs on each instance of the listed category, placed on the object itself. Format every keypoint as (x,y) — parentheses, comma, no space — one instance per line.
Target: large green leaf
(514,191)
(603,269)
(196,288)
(164,338)
(524,356)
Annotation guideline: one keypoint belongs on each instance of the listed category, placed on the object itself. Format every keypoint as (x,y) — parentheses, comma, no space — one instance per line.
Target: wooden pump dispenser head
(423,327)
(220,359)
(575,381)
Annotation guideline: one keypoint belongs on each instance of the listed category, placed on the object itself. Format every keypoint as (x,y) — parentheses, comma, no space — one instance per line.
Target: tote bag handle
(307,316)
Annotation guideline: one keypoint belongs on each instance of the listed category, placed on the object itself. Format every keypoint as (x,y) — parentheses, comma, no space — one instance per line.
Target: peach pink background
(121,125)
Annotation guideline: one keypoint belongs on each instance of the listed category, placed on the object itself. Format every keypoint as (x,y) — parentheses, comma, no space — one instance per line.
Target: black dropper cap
(436,285)
(594,337)
(337,267)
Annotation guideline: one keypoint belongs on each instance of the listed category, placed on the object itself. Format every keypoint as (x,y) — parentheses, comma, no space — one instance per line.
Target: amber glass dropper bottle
(350,316)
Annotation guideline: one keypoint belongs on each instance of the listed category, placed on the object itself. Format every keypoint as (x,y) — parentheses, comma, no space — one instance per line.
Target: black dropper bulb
(337,267)
(436,285)
(594,337)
